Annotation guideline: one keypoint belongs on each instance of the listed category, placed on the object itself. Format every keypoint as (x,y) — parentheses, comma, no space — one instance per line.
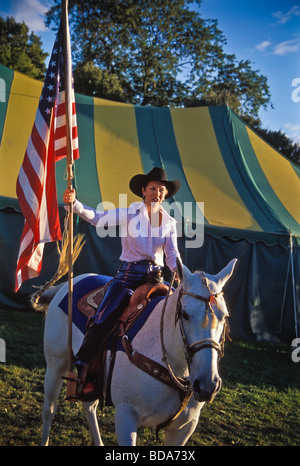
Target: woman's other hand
(69,196)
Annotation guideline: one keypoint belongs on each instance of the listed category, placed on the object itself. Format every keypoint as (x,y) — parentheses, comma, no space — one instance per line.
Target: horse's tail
(42,297)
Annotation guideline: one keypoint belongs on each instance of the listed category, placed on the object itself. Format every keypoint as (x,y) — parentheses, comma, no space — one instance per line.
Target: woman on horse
(148,234)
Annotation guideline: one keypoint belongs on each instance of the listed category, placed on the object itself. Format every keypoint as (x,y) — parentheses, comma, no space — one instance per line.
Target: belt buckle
(153,268)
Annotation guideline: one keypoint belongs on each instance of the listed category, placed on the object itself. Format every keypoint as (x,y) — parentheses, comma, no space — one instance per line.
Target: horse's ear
(226,273)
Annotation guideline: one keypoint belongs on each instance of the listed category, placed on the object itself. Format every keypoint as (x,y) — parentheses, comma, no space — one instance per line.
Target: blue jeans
(129,276)
(134,274)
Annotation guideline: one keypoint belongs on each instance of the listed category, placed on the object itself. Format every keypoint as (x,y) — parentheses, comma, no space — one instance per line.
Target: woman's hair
(147,182)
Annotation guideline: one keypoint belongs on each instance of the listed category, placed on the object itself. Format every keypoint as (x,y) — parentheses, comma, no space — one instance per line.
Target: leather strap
(149,366)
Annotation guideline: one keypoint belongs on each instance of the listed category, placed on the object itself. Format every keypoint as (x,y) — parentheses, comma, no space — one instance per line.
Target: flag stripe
(32,189)
(26,206)
(38,168)
(40,148)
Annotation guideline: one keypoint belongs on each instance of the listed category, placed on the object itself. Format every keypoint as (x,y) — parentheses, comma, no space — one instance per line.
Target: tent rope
(293,283)
(290,265)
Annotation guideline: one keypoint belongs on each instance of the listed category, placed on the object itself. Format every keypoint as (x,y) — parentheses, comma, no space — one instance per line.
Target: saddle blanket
(90,283)
(81,288)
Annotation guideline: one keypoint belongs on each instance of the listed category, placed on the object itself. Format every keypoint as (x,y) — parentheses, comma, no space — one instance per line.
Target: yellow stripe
(206,172)
(279,173)
(23,102)
(117,149)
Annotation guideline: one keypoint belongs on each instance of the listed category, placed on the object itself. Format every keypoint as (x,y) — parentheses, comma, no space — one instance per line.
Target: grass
(258,404)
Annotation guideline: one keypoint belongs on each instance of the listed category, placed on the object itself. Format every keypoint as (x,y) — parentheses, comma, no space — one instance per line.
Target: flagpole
(71,386)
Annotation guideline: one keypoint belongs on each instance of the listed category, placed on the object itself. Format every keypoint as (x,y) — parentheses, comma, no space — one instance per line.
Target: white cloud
(283,18)
(288,46)
(282,48)
(32,12)
(292,130)
(263,46)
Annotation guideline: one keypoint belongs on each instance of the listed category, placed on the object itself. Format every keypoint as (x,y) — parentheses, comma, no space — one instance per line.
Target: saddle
(88,306)
(139,300)
(90,302)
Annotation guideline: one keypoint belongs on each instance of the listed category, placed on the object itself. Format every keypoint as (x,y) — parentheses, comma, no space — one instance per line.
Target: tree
(20,50)
(91,80)
(162,52)
(237,86)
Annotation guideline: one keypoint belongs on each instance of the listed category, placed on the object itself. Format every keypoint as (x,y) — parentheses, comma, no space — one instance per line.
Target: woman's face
(155,192)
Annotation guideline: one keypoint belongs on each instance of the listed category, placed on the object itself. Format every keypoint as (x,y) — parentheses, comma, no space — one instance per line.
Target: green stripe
(158,148)
(7,77)
(296,169)
(242,166)
(86,178)
(274,207)
(148,143)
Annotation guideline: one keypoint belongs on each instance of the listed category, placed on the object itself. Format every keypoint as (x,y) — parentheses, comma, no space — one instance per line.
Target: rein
(185,387)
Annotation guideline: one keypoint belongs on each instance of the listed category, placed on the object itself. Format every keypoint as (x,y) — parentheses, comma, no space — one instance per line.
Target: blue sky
(268,34)
(263,31)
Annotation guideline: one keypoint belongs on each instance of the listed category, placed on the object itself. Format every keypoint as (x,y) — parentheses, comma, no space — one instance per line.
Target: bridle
(198,345)
(195,347)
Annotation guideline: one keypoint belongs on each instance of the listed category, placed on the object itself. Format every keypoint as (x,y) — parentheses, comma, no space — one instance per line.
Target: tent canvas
(249,190)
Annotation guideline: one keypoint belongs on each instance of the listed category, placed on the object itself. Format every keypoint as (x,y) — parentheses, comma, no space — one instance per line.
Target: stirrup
(89,388)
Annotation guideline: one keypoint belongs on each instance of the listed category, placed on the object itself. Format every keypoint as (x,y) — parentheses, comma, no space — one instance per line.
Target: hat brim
(138,181)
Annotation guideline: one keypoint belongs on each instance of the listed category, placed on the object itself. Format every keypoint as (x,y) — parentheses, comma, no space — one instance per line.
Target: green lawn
(258,404)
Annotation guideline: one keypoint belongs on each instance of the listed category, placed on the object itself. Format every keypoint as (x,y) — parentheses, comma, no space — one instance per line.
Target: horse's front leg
(180,430)
(90,410)
(180,436)
(126,422)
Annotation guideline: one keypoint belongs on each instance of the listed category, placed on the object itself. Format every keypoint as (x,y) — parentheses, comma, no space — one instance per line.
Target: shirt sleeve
(99,218)
(171,247)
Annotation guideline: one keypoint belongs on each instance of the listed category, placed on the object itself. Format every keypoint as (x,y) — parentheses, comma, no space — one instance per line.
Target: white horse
(192,323)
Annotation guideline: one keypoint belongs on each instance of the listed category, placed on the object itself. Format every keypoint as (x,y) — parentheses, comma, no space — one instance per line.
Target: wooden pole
(71,376)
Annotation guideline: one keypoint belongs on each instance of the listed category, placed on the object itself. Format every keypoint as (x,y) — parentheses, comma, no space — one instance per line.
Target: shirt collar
(142,206)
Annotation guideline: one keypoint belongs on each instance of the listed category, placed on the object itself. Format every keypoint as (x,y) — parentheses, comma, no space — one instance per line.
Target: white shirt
(139,239)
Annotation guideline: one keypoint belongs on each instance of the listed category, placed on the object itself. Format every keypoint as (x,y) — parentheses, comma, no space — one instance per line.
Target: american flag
(36,185)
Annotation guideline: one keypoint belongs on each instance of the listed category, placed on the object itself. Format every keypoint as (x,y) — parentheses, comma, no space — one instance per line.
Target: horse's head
(202,315)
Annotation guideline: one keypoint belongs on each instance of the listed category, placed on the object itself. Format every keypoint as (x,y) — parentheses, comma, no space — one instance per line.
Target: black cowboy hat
(156,174)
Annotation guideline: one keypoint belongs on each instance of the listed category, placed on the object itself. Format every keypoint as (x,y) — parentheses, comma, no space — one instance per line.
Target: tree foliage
(20,50)
(162,53)
(93,81)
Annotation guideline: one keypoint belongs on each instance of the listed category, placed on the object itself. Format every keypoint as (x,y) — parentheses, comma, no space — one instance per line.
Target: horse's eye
(185,315)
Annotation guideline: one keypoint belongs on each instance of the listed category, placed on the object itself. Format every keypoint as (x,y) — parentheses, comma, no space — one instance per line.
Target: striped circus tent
(249,191)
